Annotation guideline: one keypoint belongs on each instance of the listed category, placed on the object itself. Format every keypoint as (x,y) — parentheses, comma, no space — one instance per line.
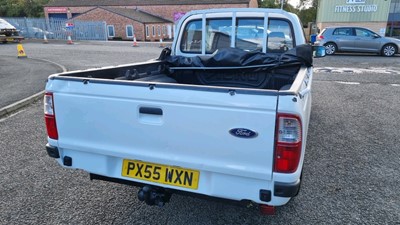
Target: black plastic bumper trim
(286,189)
(67,161)
(246,203)
(52,151)
(265,195)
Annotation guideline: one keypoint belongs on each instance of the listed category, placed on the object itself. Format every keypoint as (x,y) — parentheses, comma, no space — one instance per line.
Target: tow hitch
(154,195)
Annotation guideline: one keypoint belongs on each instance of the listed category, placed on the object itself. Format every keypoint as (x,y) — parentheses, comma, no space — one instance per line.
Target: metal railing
(55,28)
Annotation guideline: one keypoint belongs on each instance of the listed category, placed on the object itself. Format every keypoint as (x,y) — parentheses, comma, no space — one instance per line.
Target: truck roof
(273,12)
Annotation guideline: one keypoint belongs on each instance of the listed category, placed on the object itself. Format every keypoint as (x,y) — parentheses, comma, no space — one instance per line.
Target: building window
(110,30)
(159,30)
(154,31)
(147,31)
(129,31)
(164,30)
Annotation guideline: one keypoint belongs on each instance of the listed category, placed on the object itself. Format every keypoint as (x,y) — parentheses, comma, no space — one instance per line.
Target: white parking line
(356,70)
(344,82)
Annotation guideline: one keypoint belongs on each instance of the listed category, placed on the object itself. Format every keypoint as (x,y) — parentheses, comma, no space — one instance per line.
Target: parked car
(356,39)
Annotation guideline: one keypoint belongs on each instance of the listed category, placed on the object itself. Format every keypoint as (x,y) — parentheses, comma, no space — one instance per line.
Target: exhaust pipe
(154,195)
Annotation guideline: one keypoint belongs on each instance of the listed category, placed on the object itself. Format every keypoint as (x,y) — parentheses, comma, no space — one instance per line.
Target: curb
(10,109)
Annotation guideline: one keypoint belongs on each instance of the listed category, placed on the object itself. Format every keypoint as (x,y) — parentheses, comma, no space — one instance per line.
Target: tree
(308,4)
(276,4)
(308,11)
(22,8)
(267,4)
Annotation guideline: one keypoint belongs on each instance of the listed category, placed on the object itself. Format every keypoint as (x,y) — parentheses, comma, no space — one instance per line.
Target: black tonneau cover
(238,68)
(231,58)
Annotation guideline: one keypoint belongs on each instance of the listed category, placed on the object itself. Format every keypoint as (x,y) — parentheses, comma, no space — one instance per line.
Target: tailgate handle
(150,110)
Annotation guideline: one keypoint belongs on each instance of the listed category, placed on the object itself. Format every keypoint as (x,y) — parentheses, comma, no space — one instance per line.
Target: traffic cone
(45,41)
(21,51)
(69,40)
(135,44)
(161,43)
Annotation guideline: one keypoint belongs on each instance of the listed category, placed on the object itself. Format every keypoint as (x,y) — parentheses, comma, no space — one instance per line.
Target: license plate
(171,175)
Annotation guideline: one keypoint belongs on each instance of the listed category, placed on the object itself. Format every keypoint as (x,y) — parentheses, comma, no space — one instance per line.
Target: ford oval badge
(243,133)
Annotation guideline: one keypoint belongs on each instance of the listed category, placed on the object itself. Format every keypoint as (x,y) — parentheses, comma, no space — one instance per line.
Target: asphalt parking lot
(351,170)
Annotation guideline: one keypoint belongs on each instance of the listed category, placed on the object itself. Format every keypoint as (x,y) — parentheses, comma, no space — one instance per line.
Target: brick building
(124,23)
(147,20)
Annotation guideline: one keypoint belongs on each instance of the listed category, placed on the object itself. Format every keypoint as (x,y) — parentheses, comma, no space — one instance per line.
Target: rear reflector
(267,210)
(288,143)
(49,116)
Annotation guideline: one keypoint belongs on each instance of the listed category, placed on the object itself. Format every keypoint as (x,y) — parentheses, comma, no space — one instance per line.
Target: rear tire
(389,50)
(330,48)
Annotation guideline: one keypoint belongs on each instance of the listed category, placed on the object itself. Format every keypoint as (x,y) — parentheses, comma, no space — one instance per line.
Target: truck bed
(274,74)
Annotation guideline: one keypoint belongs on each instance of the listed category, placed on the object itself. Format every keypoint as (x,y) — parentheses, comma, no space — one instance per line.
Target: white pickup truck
(224,113)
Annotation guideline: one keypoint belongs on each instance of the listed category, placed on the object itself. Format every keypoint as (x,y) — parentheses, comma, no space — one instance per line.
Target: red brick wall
(71,9)
(157,26)
(167,11)
(164,11)
(119,23)
(253,4)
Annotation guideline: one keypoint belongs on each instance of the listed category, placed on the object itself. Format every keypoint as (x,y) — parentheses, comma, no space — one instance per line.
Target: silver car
(356,39)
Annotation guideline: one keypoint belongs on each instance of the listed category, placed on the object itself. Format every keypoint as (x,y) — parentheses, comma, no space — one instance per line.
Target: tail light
(288,143)
(320,37)
(50,116)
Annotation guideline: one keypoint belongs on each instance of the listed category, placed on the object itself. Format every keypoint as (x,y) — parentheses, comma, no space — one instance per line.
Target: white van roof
(5,25)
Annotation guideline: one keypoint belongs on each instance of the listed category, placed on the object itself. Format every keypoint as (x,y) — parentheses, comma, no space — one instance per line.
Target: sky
(294,2)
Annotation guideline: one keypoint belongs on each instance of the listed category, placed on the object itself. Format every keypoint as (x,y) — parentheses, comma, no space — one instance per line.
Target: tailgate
(170,125)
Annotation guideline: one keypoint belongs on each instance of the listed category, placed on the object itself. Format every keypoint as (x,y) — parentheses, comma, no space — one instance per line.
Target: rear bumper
(52,151)
(243,190)
(245,203)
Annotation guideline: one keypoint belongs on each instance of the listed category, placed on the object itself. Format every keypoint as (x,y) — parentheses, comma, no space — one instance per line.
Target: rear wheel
(330,48)
(388,50)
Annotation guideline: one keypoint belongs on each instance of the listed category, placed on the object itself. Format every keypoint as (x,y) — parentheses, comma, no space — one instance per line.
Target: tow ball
(154,195)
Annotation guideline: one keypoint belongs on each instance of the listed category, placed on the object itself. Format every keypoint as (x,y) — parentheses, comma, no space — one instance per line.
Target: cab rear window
(248,34)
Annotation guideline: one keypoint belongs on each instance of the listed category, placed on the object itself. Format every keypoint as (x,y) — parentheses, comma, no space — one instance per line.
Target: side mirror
(318,51)
(376,36)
